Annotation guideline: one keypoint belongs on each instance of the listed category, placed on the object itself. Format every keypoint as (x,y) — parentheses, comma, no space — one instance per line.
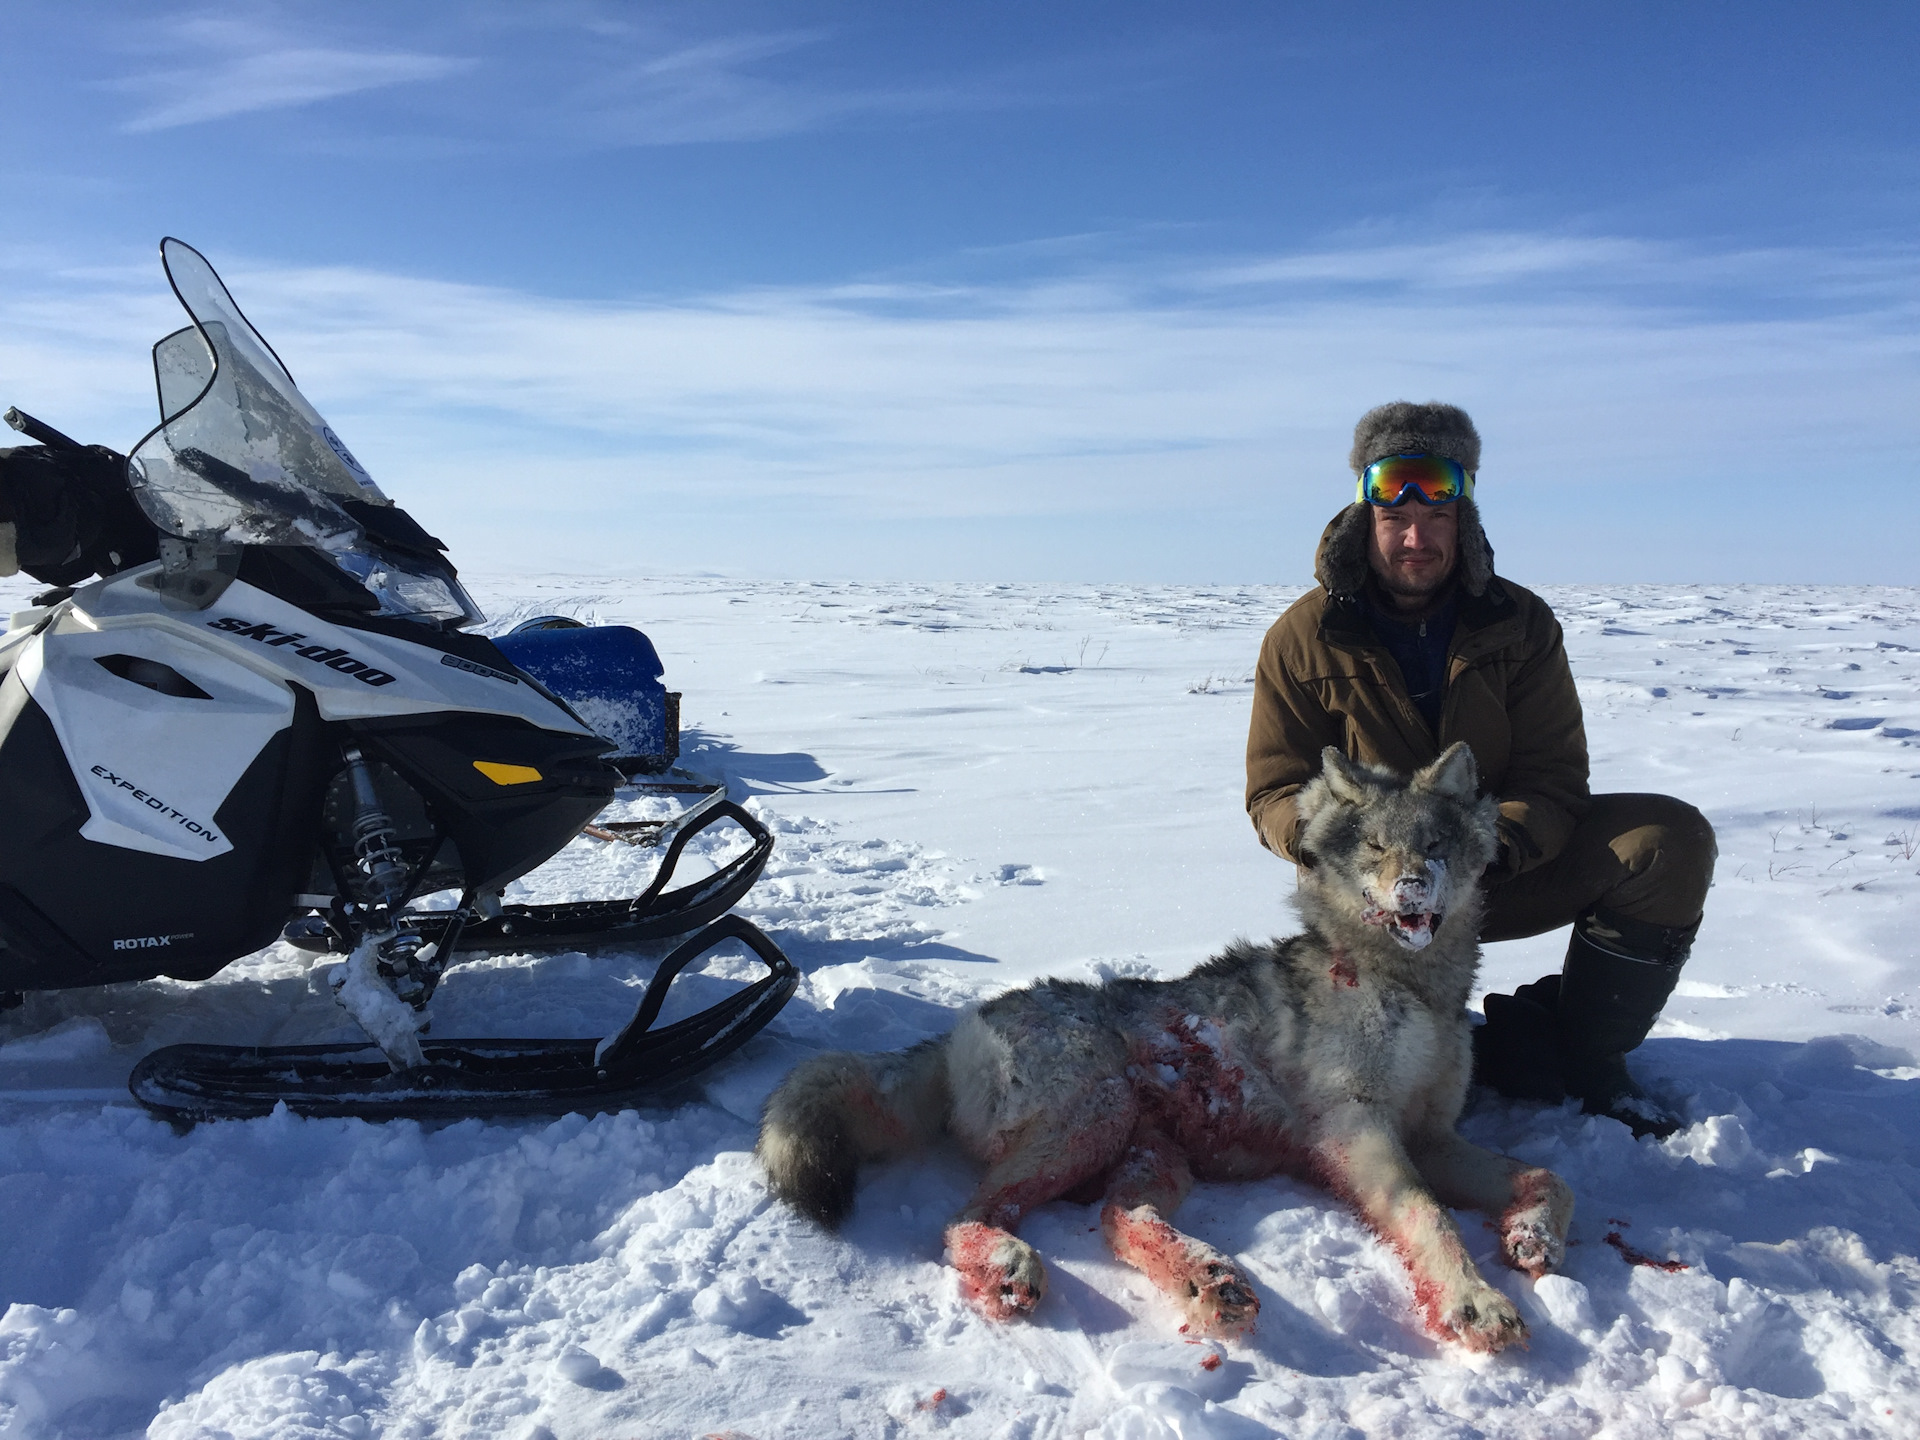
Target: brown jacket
(1325,679)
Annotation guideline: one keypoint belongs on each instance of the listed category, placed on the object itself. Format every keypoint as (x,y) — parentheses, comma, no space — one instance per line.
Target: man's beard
(1404,587)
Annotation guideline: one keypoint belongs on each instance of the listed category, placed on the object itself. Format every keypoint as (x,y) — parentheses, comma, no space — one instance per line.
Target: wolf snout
(1412,892)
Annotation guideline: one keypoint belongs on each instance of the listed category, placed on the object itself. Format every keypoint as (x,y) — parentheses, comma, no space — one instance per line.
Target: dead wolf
(1340,1055)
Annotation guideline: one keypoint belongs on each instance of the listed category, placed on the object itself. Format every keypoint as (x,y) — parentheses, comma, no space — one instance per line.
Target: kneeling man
(1411,642)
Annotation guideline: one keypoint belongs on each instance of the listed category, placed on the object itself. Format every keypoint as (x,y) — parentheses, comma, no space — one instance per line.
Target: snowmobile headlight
(408,591)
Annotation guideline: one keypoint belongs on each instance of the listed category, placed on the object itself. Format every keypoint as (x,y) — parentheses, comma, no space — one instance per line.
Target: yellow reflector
(506,774)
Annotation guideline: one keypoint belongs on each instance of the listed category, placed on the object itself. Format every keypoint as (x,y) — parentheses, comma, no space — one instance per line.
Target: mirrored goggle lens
(1432,479)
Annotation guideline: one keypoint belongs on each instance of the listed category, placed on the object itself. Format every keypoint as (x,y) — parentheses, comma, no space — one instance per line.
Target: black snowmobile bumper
(187,1083)
(655,914)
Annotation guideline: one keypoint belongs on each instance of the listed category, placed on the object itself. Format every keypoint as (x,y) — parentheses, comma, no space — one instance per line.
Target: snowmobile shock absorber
(383,869)
(412,971)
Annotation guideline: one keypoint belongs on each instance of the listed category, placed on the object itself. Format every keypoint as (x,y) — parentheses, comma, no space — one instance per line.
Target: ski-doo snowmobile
(269,710)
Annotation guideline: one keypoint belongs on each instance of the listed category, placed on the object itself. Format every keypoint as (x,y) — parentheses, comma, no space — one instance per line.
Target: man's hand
(1516,847)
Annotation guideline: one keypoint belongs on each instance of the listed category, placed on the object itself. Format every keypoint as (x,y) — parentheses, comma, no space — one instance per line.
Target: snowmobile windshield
(241,458)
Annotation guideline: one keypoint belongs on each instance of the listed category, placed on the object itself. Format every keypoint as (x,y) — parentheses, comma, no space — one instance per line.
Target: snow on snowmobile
(270,713)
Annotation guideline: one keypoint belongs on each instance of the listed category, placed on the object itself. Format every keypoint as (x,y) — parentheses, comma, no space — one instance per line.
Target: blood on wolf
(1340,1055)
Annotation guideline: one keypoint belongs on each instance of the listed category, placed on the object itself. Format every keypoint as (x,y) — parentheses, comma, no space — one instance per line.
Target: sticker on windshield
(346,456)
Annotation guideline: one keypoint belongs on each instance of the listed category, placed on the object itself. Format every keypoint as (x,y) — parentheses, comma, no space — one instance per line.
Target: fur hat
(1403,428)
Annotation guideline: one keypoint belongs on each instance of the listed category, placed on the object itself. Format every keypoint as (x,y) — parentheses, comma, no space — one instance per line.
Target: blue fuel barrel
(611,676)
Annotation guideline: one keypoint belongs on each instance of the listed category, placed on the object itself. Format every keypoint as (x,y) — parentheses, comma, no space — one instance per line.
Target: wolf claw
(1485,1321)
(999,1297)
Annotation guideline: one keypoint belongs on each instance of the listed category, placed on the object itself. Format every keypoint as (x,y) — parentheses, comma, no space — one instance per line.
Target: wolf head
(1393,854)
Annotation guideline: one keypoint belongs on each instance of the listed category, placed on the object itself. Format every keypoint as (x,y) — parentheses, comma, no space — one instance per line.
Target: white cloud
(852,383)
(1499,258)
(277,79)
(545,74)
(648,84)
(1102,396)
(207,66)
(701,92)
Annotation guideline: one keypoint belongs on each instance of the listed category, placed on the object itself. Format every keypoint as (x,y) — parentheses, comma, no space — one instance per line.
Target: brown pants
(1645,857)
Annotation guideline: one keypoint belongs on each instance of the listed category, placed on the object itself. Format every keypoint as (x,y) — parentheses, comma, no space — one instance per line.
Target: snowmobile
(270,713)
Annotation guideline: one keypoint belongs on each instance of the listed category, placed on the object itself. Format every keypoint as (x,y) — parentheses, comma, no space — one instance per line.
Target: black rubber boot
(1517,1051)
(1617,976)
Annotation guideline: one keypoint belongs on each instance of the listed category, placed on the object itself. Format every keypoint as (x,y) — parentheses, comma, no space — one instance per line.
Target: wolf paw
(1220,1301)
(1001,1276)
(1484,1320)
(1530,1245)
(1533,1231)
(1005,1292)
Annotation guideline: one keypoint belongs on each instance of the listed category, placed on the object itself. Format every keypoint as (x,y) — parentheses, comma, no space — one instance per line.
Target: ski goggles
(1430,479)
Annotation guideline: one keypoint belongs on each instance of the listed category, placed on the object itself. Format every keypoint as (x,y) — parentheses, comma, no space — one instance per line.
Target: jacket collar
(1483,623)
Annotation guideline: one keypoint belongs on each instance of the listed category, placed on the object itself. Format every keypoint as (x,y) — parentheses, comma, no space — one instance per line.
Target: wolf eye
(1434,847)
(1376,847)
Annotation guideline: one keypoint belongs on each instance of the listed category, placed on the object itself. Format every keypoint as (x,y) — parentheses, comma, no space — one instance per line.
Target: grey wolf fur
(1340,1055)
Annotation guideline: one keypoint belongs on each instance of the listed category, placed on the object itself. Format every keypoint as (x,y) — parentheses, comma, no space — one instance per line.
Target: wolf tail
(836,1112)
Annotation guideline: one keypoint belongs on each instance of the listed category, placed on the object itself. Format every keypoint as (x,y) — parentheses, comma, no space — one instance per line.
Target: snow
(389,1022)
(971,786)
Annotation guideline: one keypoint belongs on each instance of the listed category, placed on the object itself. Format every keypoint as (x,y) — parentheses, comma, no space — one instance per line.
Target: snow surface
(972,786)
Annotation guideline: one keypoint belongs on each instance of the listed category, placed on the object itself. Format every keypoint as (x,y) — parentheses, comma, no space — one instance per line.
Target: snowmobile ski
(188,1083)
(655,914)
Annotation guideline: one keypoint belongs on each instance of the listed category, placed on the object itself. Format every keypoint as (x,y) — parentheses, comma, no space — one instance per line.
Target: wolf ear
(1342,779)
(1454,774)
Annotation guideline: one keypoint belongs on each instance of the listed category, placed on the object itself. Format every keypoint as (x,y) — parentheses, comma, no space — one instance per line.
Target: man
(1410,643)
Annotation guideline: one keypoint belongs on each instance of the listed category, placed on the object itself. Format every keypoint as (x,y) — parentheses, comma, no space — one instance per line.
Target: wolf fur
(1340,1055)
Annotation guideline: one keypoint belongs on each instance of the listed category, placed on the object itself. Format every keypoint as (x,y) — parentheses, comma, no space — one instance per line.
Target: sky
(1004,291)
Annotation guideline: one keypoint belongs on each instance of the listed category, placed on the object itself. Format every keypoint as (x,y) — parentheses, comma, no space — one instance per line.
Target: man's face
(1414,547)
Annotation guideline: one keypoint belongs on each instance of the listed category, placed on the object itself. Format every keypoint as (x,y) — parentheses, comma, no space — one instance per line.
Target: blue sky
(1011,291)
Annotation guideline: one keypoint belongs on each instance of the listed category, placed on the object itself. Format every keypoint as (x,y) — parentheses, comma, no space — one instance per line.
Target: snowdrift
(971,786)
